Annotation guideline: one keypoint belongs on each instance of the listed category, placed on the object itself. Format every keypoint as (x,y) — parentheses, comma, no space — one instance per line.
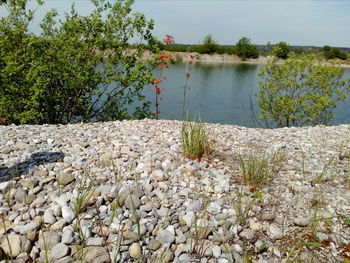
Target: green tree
(209,44)
(300,91)
(281,50)
(331,53)
(245,49)
(77,68)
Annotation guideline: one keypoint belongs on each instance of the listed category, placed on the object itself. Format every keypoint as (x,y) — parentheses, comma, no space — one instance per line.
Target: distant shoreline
(225,58)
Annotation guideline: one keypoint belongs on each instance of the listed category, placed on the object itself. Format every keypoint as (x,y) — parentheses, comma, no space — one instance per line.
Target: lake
(219,93)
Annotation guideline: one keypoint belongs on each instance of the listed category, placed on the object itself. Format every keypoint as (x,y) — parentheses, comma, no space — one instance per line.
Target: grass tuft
(195,141)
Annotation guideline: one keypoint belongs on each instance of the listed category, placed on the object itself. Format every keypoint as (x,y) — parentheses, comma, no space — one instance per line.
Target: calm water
(219,93)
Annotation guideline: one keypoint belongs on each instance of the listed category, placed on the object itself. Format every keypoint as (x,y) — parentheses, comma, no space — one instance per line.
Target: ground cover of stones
(124,192)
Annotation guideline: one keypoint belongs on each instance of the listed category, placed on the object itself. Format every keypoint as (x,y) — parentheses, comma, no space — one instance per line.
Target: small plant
(195,141)
(255,171)
(163,65)
(186,87)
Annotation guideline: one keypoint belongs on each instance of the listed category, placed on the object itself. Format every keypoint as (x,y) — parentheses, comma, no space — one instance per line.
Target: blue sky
(298,22)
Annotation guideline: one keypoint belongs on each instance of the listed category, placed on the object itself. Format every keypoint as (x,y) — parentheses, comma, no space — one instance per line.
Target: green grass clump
(195,141)
(257,170)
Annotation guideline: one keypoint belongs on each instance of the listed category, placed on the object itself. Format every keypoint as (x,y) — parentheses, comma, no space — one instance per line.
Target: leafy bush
(195,142)
(245,49)
(331,53)
(209,45)
(78,68)
(300,91)
(281,50)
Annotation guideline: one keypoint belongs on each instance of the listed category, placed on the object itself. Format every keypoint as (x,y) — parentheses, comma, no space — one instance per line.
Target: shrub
(281,50)
(331,53)
(245,49)
(257,170)
(195,141)
(209,45)
(300,91)
(78,68)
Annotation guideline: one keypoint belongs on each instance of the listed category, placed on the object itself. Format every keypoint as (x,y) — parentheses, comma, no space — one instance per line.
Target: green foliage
(331,53)
(281,50)
(245,49)
(78,68)
(195,142)
(209,45)
(300,91)
(257,170)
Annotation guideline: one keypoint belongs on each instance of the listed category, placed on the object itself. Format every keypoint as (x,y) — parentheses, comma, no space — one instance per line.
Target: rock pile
(123,192)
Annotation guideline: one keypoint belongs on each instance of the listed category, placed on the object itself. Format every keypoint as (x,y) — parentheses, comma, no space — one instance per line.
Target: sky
(297,22)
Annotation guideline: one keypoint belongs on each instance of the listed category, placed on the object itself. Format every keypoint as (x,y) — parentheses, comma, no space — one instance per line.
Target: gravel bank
(123,192)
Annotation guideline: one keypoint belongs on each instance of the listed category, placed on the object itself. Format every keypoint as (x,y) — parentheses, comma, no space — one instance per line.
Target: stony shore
(123,192)
(226,58)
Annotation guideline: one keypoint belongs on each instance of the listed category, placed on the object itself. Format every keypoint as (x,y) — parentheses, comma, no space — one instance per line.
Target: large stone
(303,222)
(24,229)
(67,214)
(274,231)
(68,237)
(41,173)
(135,251)
(20,195)
(12,245)
(153,245)
(96,255)
(48,239)
(132,202)
(65,178)
(58,251)
(188,219)
(49,218)
(165,236)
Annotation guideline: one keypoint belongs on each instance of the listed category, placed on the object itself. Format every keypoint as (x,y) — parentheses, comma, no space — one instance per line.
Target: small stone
(303,222)
(165,236)
(58,251)
(141,167)
(255,225)
(189,218)
(167,256)
(130,235)
(4,186)
(248,234)
(20,195)
(153,245)
(48,239)
(65,178)
(95,241)
(29,227)
(146,207)
(96,255)
(132,202)
(68,237)
(274,231)
(7,150)
(58,226)
(216,251)
(267,216)
(48,217)
(163,211)
(41,173)
(68,214)
(135,251)
(214,208)
(31,235)
(12,242)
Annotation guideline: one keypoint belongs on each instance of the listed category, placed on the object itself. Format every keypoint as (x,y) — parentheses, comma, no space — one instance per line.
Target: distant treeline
(244,48)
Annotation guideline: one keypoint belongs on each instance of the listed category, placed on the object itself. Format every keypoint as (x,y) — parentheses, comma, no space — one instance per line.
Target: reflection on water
(219,93)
